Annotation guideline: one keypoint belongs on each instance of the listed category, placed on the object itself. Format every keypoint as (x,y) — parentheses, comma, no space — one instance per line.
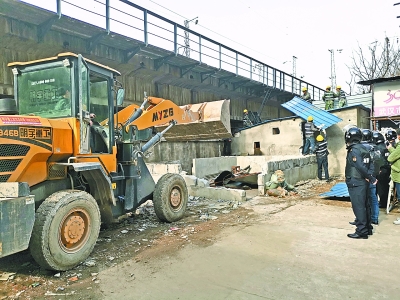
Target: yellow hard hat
(328,87)
(304,89)
(338,87)
(310,118)
(245,111)
(320,138)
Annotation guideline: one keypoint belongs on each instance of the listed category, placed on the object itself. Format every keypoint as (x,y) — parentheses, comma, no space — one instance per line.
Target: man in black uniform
(358,176)
(383,177)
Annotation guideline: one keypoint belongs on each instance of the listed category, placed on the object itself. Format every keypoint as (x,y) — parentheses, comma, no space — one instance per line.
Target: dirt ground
(265,248)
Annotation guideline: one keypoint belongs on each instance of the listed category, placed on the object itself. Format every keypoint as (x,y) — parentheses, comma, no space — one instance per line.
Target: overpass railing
(128,19)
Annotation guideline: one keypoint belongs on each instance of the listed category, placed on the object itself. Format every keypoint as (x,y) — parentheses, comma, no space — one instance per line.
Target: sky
(273,31)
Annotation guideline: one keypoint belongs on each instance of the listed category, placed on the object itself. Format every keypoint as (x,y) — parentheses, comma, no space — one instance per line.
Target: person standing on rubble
(309,142)
(306,95)
(328,97)
(358,176)
(321,151)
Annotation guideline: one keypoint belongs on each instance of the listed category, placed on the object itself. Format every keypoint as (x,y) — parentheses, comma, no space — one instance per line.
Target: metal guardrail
(128,19)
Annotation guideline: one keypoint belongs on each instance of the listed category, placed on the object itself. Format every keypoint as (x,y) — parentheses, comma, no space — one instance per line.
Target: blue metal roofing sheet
(338,190)
(303,109)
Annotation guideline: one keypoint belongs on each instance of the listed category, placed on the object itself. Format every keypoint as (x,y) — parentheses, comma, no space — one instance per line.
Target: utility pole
(333,70)
(186,49)
(387,52)
(294,73)
(294,66)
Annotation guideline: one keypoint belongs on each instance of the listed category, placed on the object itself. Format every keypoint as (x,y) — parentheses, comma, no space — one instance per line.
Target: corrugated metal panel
(363,99)
(338,190)
(303,109)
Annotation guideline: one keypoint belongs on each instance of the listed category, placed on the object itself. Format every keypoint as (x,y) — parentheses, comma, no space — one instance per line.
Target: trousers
(361,208)
(309,145)
(373,198)
(322,162)
(328,104)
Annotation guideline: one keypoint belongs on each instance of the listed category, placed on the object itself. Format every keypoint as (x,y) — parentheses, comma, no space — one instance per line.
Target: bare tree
(351,83)
(378,61)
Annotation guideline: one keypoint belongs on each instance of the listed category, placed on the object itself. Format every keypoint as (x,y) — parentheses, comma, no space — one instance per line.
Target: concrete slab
(218,193)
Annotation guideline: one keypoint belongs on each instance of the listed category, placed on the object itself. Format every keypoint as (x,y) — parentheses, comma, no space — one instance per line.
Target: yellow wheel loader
(71,157)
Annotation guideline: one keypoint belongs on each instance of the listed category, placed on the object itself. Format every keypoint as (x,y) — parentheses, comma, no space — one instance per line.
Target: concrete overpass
(148,50)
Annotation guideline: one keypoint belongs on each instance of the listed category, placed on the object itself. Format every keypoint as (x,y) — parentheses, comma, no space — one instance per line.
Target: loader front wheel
(66,229)
(170,198)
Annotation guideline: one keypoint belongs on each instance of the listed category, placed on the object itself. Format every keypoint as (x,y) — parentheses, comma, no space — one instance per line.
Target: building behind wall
(385,101)
(283,137)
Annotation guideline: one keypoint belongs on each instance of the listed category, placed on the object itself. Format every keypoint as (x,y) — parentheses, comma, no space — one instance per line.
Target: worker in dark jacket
(328,97)
(321,151)
(358,176)
(306,95)
(374,165)
(383,177)
(246,118)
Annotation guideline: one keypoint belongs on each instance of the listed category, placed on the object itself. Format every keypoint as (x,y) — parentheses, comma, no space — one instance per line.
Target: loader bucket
(214,123)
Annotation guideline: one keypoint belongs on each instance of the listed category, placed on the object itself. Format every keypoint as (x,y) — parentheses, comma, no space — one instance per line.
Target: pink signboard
(387,99)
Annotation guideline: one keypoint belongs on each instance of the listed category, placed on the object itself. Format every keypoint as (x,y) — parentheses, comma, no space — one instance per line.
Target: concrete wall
(280,137)
(295,167)
(335,136)
(185,152)
(206,166)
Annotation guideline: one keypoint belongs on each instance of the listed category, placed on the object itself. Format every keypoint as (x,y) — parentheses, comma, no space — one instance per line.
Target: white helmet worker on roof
(306,95)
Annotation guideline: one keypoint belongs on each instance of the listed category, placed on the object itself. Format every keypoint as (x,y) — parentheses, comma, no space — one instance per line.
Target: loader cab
(69,86)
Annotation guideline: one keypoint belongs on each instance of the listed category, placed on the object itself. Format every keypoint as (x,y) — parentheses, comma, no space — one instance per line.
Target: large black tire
(170,197)
(66,229)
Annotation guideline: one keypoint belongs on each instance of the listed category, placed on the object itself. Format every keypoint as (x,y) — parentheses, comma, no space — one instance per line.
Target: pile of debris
(236,178)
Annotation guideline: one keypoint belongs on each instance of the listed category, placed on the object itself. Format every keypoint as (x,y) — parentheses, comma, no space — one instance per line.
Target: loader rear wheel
(66,229)
(170,198)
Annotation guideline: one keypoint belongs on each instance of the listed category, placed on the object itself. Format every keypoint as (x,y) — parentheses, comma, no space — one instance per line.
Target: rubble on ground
(131,238)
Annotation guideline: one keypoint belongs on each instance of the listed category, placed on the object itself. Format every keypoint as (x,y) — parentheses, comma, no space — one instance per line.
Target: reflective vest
(309,129)
(328,96)
(322,149)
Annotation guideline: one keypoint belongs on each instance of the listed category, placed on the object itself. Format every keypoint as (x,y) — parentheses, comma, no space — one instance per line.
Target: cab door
(83,98)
